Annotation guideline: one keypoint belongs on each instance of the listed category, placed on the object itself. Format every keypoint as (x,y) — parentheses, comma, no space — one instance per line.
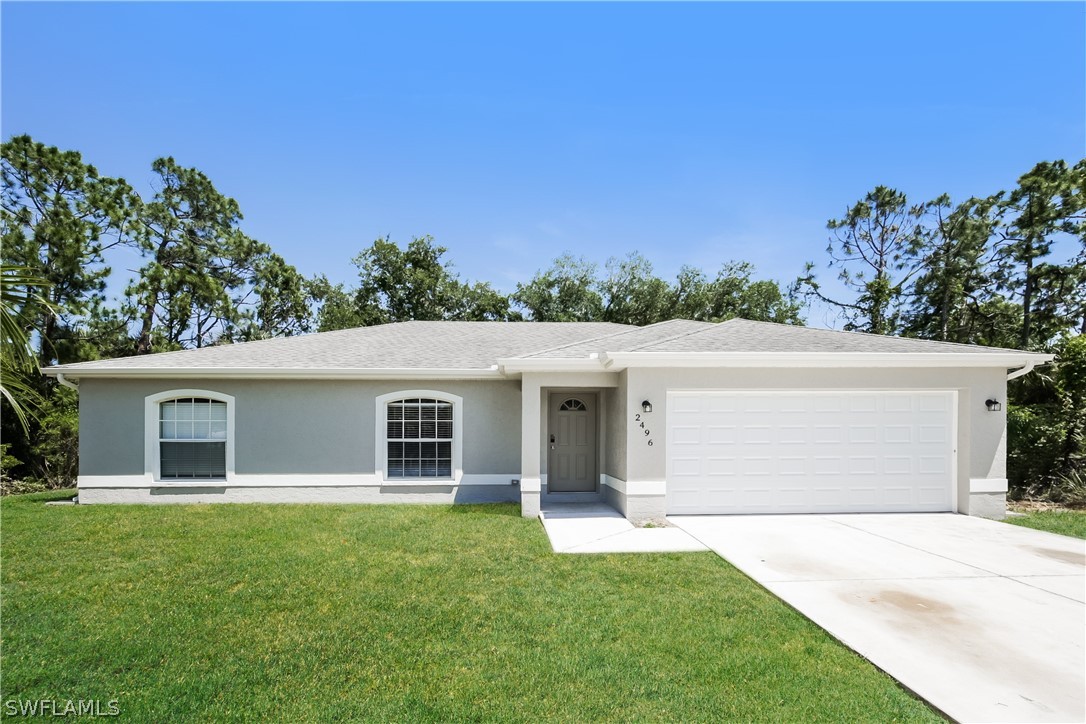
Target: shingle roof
(405,345)
(480,345)
(629,338)
(743,335)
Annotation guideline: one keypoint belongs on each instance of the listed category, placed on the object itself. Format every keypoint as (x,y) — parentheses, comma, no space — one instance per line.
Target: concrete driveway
(984,620)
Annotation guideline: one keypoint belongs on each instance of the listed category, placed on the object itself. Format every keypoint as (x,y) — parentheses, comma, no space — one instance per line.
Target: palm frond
(19,289)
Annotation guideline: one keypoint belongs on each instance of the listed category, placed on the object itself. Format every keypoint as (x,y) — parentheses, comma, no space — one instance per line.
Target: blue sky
(693,133)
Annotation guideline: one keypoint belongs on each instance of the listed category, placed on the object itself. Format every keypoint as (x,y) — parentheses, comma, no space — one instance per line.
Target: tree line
(979,271)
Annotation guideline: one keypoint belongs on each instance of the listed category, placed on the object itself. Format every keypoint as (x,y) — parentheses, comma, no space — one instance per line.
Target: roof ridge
(629,329)
(875,335)
(626,328)
(712,325)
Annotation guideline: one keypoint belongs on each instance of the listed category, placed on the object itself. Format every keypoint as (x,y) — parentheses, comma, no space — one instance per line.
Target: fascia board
(527,364)
(273,373)
(622,360)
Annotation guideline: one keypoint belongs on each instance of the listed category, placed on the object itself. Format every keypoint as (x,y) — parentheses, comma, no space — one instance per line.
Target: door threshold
(561,497)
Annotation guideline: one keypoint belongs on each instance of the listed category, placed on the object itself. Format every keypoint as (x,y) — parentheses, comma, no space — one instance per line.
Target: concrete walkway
(599,528)
(985,620)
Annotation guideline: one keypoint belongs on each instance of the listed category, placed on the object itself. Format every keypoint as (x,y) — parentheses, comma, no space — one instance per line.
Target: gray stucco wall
(296,427)
(614,451)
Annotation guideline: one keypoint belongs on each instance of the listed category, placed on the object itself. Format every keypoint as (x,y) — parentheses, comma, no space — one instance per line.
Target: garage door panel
(930,496)
(793,403)
(792,465)
(722,466)
(897,434)
(933,434)
(864,403)
(932,403)
(862,497)
(754,404)
(723,403)
(863,465)
(897,465)
(686,467)
(829,496)
(681,405)
(828,435)
(898,403)
(899,495)
(757,466)
(829,403)
(863,434)
(722,434)
(794,497)
(686,435)
(933,465)
(793,435)
(759,434)
(827,465)
(809,451)
(757,497)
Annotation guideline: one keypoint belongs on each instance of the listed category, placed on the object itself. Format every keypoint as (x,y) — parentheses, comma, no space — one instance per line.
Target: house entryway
(572,454)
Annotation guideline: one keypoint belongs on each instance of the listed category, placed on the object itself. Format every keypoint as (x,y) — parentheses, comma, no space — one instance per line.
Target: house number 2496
(641,424)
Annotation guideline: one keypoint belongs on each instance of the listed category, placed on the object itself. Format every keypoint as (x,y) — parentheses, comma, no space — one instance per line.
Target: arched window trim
(381,441)
(151,451)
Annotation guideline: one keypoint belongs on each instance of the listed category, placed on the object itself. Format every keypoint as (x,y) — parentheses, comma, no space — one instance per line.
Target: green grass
(399,613)
(1064,522)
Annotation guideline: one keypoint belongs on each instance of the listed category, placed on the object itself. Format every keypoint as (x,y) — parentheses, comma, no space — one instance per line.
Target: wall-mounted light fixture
(646,406)
(993,405)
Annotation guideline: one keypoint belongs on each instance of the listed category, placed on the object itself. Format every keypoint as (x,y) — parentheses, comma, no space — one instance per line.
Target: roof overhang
(266,373)
(1004,360)
(613,361)
(515,365)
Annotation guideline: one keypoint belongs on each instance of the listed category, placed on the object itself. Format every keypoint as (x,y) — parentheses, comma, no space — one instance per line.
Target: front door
(571,463)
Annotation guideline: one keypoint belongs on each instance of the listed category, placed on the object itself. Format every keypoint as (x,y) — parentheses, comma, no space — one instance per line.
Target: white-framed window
(189,436)
(419,436)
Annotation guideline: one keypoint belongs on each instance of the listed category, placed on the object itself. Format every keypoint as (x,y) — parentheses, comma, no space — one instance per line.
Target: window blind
(419,437)
(192,439)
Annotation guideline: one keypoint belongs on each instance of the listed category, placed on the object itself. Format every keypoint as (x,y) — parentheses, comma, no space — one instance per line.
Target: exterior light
(646,406)
(993,405)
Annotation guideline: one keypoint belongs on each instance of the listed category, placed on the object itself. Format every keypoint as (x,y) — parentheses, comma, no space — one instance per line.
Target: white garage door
(810,452)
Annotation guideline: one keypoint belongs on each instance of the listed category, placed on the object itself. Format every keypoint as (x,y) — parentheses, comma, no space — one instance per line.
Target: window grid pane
(192,439)
(419,438)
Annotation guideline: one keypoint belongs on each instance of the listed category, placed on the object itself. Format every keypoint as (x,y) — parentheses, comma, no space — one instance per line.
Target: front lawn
(1059,520)
(398,613)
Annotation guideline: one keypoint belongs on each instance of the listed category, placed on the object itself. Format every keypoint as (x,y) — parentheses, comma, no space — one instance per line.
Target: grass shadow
(42,497)
(511,510)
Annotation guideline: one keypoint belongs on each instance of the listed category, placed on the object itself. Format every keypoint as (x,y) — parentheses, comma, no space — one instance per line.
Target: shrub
(56,445)
(1034,436)
(1046,454)
(1069,489)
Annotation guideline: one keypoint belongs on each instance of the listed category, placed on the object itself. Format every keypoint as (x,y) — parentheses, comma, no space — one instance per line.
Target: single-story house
(680,417)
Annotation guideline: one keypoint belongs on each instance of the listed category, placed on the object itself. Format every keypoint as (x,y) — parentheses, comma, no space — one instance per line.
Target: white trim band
(271,373)
(988,485)
(635,487)
(297,480)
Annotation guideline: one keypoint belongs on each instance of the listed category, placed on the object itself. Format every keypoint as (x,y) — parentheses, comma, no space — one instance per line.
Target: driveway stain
(912,602)
(1079,559)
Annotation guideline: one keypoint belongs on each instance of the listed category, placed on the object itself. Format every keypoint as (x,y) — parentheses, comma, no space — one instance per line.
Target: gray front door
(571,463)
